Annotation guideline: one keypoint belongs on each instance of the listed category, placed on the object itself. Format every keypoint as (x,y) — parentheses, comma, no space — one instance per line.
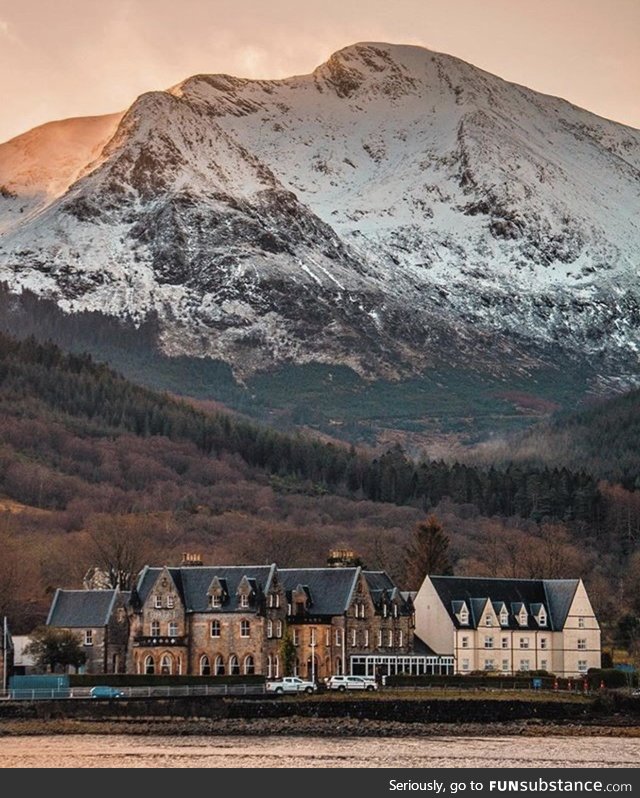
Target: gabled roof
(76,609)
(329,589)
(193,583)
(559,593)
(555,595)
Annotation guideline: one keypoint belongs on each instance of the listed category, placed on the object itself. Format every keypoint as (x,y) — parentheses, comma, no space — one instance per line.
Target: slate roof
(555,595)
(330,589)
(77,609)
(193,582)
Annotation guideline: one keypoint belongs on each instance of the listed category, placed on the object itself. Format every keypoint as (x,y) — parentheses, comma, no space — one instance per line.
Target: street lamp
(312,646)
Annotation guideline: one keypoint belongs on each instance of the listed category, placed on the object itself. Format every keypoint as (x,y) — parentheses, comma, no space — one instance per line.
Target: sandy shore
(318,727)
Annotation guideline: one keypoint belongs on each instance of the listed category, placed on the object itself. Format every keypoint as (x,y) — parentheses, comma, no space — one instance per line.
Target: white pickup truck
(291,684)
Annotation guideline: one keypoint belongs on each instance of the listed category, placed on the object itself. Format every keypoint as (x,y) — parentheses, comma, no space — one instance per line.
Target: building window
(580,623)
(279,629)
(505,664)
(215,628)
(296,637)
(173,629)
(582,643)
(216,601)
(354,638)
(395,610)
(269,628)
(465,664)
(166,665)
(244,601)
(327,637)
(524,642)
(269,667)
(385,610)
(274,599)
(544,665)
(504,618)
(88,637)
(245,630)
(525,665)
(465,642)
(155,628)
(158,602)
(400,638)
(379,638)
(170,602)
(488,642)
(522,618)
(488,664)
(219,665)
(582,665)
(338,637)
(205,666)
(149,666)
(390,638)
(366,638)
(543,642)
(276,667)
(234,665)
(249,665)
(464,617)
(542,618)
(504,642)
(362,609)
(488,620)
(312,636)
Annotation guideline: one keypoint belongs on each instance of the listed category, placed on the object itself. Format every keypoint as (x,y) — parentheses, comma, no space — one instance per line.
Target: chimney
(342,558)
(191,560)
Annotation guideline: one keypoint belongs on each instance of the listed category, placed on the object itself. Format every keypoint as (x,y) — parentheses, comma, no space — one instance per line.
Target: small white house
(509,625)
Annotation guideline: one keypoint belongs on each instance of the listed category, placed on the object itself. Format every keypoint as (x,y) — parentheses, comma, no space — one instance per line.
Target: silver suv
(343,683)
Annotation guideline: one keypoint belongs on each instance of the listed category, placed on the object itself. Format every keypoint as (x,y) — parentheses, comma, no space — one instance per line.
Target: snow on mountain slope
(41,164)
(394,208)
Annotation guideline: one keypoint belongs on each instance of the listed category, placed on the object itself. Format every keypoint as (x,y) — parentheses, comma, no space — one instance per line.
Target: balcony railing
(159,640)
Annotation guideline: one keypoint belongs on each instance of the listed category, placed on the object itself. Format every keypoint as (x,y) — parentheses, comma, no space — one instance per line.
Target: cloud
(4,28)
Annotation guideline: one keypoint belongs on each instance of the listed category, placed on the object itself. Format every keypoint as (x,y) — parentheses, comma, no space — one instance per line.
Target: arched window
(149,665)
(269,628)
(276,667)
(249,665)
(219,665)
(205,666)
(338,667)
(234,665)
(166,665)
(279,629)
(269,667)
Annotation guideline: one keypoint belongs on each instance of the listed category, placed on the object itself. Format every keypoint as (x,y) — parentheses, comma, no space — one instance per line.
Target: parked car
(291,684)
(343,683)
(105,691)
(636,692)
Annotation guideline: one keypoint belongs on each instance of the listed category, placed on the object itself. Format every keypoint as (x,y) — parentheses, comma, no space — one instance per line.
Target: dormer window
(395,610)
(542,618)
(504,618)
(385,610)
(488,620)
(522,617)
(244,600)
(158,602)
(463,617)
(170,602)
(216,601)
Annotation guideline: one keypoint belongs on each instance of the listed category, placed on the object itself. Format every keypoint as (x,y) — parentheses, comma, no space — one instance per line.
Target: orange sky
(61,58)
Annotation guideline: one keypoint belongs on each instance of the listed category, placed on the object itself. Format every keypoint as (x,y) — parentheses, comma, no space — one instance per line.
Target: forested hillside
(89,460)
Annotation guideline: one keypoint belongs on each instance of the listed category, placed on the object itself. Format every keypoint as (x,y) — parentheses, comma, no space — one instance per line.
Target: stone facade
(231,620)
(100,621)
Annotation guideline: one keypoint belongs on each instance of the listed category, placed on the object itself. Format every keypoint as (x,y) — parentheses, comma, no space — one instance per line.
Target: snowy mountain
(394,210)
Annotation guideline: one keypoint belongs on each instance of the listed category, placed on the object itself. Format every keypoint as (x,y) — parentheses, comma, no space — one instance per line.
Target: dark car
(106,691)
